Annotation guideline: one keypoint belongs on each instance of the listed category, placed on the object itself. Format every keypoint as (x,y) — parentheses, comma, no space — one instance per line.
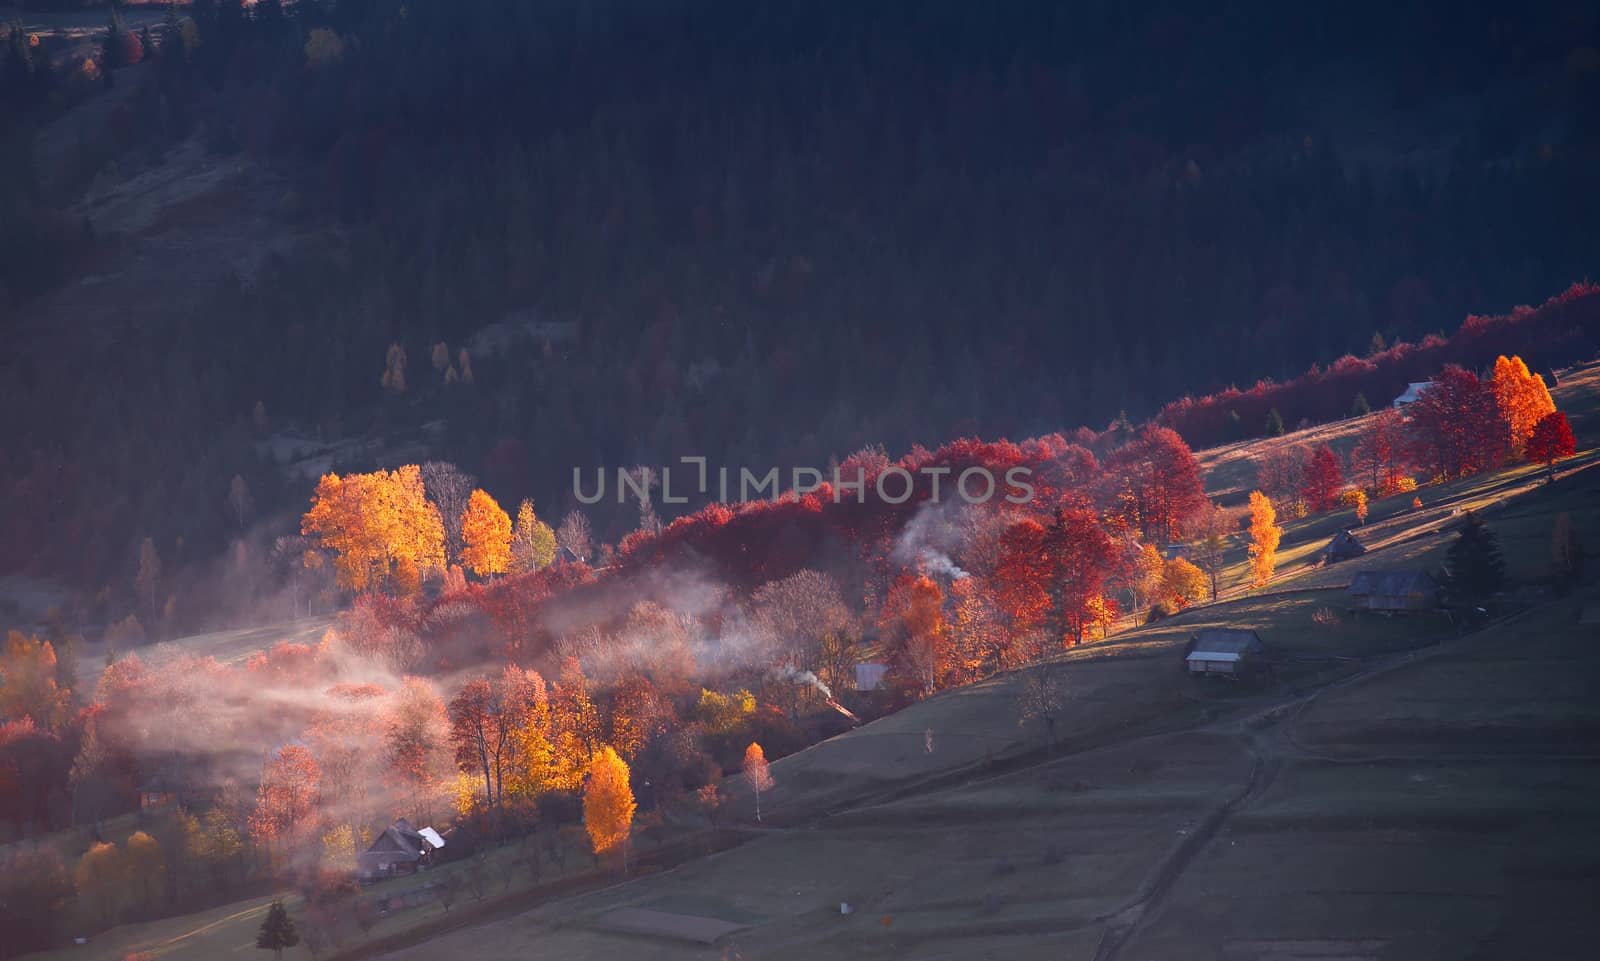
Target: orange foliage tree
(757,773)
(1050,575)
(1264,536)
(286,797)
(1520,398)
(608,804)
(912,623)
(381,529)
(485,536)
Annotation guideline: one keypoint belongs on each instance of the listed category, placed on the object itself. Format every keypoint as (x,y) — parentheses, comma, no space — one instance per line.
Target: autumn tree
(1379,454)
(1043,695)
(1520,399)
(1550,441)
(575,725)
(796,616)
(608,804)
(912,626)
(449,488)
(1281,475)
(35,891)
(100,877)
(146,866)
(380,527)
(414,730)
(1144,575)
(1160,483)
(394,369)
(1050,575)
(757,773)
(286,797)
(1323,481)
(1264,536)
(1182,582)
(575,535)
(1454,425)
(484,718)
(485,536)
(1209,531)
(28,685)
(533,543)
(1360,497)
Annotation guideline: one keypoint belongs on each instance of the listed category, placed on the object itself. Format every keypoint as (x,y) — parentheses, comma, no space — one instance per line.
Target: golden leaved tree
(1520,398)
(1264,536)
(485,536)
(608,802)
(380,528)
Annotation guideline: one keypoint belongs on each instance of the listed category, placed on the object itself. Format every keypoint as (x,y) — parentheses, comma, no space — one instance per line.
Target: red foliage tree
(1158,483)
(1323,480)
(1049,577)
(1551,440)
(1454,426)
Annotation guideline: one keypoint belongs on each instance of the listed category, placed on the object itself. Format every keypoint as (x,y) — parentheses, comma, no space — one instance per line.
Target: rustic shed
(1229,652)
(869,676)
(1394,592)
(399,848)
(1343,547)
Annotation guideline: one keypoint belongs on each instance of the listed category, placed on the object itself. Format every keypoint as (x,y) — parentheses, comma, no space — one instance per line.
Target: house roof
(1346,542)
(401,838)
(1212,656)
(1224,640)
(1391,583)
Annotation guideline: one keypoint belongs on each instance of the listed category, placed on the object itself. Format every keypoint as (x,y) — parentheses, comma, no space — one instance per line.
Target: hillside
(1408,778)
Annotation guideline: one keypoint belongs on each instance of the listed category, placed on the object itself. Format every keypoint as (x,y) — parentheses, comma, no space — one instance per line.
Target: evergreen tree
(1475,566)
(1274,423)
(277,931)
(1360,408)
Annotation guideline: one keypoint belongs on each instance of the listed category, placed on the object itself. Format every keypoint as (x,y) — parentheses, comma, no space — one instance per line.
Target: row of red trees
(1563,330)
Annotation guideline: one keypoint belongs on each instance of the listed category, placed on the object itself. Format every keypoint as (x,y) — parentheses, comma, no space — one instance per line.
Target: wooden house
(1226,652)
(399,849)
(1394,592)
(1344,546)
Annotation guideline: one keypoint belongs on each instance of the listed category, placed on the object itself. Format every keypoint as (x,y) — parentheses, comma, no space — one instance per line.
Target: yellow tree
(99,876)
(608,803)
(533,543)
(380,528)
(1264,536)
(1182,582)
(1520,398)
(28,682)
(146,865)
(757,773)
(485,536)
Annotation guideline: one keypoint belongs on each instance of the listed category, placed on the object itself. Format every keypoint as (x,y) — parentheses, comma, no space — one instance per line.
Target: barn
(1394,592)
(1228,652)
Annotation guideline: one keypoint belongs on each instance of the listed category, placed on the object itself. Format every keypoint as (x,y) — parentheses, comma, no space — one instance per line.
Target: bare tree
(239,499)
(1043,695)
(449,487)
(576,536)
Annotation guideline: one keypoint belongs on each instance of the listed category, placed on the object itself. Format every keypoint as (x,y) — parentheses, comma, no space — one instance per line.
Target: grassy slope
(941,825)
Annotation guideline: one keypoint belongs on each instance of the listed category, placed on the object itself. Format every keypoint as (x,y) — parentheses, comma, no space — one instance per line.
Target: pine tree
(1274,423)
(1566,550)
(277,931)
(1475,566)
(1360,408)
